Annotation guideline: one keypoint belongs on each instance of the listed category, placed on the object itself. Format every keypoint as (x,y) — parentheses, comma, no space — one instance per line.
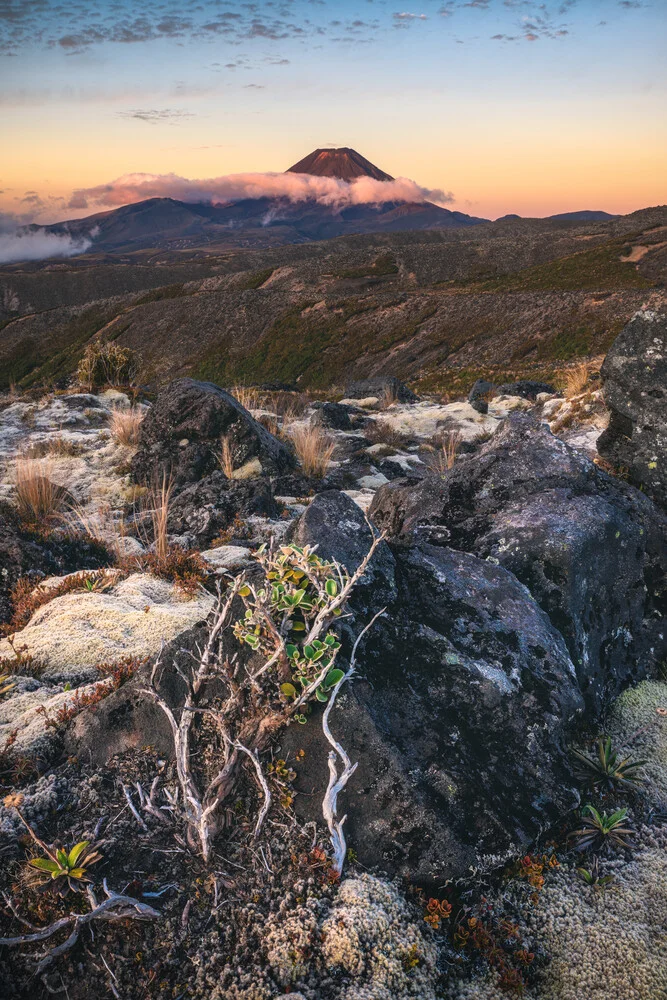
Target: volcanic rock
(181,436)
(590,549)
(634,377)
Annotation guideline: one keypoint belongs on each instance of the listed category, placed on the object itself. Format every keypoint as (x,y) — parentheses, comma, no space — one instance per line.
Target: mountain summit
(344,163)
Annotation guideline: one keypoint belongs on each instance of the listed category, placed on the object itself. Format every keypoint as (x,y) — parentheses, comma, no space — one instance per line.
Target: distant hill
(167,224)
(585,216)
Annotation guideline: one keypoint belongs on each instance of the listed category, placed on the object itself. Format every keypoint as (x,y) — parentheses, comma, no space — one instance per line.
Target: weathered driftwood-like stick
(114,907)
(337,783)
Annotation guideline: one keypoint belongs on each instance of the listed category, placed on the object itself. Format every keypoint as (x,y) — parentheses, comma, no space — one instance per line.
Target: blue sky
(510,104)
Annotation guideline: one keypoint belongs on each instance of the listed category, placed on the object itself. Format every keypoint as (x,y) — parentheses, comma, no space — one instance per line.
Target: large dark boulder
(336,525)
(590,548)
(182,432)
(204,509)
(332,415)
(634,376)
(459,718)
(379,386)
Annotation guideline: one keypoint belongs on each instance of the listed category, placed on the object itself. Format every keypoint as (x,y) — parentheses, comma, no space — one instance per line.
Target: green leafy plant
(300,586)
(606,770)
(600,830)
(591,876)
(66,869)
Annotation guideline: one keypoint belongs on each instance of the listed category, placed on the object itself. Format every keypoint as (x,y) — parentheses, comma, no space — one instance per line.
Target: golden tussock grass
(125,426)
(38,497)
(313,447)
(225,457)
(575,379)
(444,457)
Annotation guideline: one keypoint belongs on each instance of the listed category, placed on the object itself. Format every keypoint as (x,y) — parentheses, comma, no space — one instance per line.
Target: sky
(488,106)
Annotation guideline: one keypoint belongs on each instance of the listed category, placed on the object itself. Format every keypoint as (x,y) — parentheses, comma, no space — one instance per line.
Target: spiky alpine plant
(605,770)
(600,830)
(65,870)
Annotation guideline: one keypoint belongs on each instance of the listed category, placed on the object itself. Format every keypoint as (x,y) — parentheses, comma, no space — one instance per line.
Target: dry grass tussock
(38,497)
(287,405)
(57,447)
(125,426)
(225,457)
(313,447)
(575,379)
(383,432)
(187,570)
(443,458)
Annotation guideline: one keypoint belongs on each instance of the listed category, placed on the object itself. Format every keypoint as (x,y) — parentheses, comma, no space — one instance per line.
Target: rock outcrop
(590,548)
(459,719)
(634,376)
(181,437)
(202,510)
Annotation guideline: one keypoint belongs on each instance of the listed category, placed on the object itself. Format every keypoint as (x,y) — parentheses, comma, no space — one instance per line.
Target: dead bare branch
(115,907)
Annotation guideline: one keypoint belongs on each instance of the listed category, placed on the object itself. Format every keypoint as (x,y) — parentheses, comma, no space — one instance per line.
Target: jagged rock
(181,436)
(338,527)
(458,722)
(380,386)
(480,389)
(590,549)
(526,388)
(332,415)
(634,375)
(202,510)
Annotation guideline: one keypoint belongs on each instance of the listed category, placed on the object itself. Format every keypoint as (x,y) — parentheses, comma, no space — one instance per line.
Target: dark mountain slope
(437,308)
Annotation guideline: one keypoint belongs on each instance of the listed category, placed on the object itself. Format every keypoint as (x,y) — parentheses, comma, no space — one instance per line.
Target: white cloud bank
(36,244)
(234,187)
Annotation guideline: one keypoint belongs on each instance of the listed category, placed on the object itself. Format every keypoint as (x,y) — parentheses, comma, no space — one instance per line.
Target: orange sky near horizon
(567,116)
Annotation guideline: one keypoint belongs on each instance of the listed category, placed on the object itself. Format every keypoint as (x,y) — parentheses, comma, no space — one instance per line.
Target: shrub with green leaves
(301,592)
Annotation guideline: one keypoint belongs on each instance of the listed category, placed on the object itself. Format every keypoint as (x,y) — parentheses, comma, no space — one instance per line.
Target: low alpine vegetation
(606,771)
(65,870)
(600,830)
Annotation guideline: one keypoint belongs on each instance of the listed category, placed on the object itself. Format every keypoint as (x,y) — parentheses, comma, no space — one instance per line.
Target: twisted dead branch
(337,783)
(252,707)
(115,907)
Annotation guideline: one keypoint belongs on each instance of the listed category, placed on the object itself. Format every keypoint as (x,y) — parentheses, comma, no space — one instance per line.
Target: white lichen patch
(74,632)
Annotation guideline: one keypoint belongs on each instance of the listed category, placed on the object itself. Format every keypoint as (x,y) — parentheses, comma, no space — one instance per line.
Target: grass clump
(38,498)
(125,426)
(313,447)
(444,455)
(384,432)
(57,447)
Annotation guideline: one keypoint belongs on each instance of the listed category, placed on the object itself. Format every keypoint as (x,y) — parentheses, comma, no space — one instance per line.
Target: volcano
(344,163)
(168,224)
